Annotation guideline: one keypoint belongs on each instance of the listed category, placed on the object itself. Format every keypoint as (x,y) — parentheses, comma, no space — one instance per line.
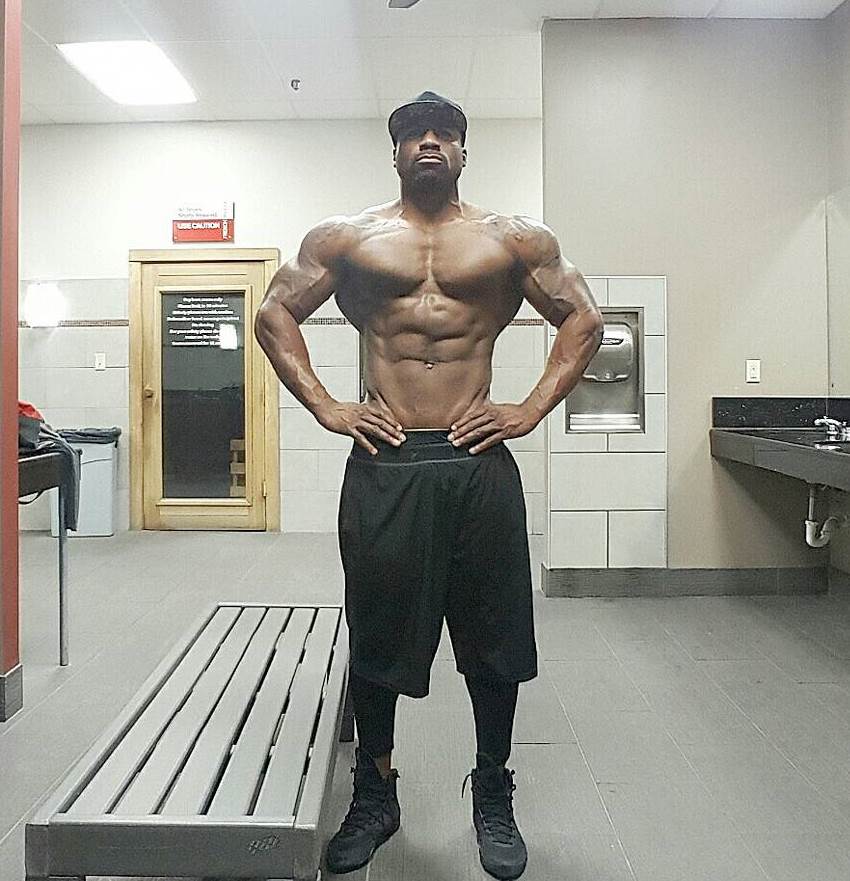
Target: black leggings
(493,706)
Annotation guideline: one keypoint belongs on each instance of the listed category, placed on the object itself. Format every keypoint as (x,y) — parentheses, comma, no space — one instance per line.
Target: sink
(807,437)
(805,453)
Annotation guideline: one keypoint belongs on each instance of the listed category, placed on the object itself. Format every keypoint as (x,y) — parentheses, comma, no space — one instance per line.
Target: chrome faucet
(835,430)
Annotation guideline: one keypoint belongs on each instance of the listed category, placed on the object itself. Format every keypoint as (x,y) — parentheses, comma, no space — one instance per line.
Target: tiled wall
(57,375)
(606,492)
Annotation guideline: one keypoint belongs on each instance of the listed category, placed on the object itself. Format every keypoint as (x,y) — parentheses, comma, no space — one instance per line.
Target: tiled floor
(680,739)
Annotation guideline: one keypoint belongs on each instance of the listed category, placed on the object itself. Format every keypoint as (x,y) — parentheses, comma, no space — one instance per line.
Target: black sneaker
(372,818)
(500,843)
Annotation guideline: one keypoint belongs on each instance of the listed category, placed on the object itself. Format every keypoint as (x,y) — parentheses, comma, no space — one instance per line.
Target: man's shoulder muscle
(338,235)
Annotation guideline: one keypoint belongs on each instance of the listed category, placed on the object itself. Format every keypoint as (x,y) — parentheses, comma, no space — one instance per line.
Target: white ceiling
(355,58)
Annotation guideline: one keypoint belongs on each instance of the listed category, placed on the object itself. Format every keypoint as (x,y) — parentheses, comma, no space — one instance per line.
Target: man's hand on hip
(487,424)
(360,420)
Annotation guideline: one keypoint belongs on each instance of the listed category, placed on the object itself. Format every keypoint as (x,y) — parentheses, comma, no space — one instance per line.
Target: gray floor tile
(796,856)
(709,627)
(595,686)
(673,829)
(629,747)
(763,791)
(689,703)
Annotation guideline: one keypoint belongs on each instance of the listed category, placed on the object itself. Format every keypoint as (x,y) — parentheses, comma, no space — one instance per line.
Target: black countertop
(804,453)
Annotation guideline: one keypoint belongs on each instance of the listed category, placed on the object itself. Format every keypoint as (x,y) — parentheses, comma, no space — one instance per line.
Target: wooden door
(206,399)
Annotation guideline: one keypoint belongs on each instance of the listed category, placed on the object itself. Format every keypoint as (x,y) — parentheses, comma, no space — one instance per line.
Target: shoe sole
(383,840)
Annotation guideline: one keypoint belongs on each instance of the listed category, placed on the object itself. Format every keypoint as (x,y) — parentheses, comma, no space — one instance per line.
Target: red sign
(208,222)
(202,230)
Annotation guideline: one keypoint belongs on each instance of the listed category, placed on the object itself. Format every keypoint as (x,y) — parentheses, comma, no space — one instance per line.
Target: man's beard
(430,180)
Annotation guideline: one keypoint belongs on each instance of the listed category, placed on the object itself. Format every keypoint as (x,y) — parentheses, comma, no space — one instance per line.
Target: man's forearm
(281,339)
(576,342)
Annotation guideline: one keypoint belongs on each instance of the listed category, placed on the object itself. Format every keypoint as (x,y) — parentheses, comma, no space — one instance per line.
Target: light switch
(753,370)
(100,360)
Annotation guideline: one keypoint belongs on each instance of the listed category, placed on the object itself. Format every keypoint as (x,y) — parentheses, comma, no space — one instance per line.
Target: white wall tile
(299,470)
(91,298)
(578,539)
(532,471)
(608,481)
(331,345)
(526,310)
(599,289)
(35,346)
(653,438)
(52,346)
(66,417)
(331,469)
(511,385)
(535,507)
(84,387)
(309,511)
(343,383)
(637,538)
(328,309)
(539,513)
(114,342)
(561,440)
(534,441)
(520,346)
(32,386)
(655,364)
(300,431)
(647,292)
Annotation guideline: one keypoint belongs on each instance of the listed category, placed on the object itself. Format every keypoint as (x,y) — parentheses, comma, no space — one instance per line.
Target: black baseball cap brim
(427,106)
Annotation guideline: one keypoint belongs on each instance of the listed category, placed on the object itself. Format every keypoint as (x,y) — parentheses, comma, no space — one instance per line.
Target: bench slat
(151,784)
(197,779)
(107,784)
(279,791)
(319,774)
(239,782)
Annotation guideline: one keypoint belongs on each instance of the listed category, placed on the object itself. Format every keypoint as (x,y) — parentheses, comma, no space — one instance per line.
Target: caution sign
(203,223)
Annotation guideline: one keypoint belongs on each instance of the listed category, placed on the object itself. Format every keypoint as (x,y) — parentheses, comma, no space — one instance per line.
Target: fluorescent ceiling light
(129,71)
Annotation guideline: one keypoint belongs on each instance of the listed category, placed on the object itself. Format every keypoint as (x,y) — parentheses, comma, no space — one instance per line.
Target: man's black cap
(428,105)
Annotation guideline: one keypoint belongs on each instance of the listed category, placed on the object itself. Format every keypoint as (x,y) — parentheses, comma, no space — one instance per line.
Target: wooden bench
(221,764)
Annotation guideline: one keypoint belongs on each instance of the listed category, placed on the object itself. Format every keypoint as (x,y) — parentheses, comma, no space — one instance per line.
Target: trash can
(98,481)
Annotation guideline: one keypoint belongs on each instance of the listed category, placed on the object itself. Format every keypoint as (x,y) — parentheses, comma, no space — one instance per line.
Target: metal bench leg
(346,731)
(63,581)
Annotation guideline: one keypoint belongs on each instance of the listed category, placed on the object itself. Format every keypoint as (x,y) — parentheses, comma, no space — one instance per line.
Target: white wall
(91,193)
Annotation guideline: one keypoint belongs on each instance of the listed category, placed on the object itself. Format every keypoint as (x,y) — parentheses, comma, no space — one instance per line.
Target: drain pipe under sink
(818,536)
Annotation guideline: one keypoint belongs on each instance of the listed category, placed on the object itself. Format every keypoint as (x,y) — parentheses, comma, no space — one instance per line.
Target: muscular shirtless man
(432,518)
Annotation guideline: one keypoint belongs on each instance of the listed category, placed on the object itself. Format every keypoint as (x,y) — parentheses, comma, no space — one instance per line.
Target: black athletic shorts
(427,531)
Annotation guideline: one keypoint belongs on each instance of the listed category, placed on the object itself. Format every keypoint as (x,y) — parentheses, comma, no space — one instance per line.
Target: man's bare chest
(458,261)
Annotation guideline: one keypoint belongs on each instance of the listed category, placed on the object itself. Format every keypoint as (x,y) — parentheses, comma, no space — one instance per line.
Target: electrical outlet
(100,360)
(753,370)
